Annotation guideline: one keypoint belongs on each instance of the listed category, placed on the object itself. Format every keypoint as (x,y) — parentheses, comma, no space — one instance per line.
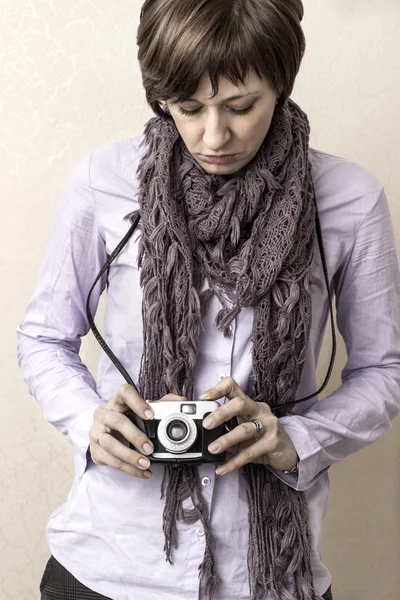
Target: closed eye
(232,111)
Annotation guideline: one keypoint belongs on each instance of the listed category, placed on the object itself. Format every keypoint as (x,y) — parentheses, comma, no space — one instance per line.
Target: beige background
(69,82)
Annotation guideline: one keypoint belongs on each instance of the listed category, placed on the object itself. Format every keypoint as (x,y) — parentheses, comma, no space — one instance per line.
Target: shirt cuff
(308,450)
(79,440)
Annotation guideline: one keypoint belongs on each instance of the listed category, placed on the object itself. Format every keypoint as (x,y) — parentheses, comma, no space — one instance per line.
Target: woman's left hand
(274,447)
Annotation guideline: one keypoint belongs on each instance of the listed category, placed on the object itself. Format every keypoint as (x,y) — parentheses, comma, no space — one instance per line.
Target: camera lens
(177,431)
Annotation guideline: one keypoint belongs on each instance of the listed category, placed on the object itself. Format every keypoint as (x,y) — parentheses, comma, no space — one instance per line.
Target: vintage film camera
(178,434)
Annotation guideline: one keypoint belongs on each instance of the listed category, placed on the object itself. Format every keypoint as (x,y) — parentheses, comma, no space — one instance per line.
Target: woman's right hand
(112,449)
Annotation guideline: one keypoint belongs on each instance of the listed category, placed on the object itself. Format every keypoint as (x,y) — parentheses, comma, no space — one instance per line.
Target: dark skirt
(58,584)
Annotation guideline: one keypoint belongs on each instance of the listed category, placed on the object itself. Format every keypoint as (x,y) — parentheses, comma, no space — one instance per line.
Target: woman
(218,296)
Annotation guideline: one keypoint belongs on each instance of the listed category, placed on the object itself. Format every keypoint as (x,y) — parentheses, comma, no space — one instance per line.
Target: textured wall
(69,82)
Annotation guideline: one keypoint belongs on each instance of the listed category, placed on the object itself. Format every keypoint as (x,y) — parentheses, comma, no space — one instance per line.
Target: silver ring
(99,436)
(258,428)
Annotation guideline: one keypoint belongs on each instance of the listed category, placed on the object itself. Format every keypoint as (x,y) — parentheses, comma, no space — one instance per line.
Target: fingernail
(147,448)
(147,474)
(220,471)
(213,447)
(203,396)
(143,462)
(209,422)
(148,413)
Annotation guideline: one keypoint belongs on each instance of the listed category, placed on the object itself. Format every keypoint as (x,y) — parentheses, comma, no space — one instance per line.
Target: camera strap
(92,324)
(125,373)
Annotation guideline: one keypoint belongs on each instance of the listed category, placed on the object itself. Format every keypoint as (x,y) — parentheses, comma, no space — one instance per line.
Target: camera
(177,432)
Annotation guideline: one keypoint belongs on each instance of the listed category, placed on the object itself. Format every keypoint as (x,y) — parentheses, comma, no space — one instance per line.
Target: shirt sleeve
(360,412)
(49,337)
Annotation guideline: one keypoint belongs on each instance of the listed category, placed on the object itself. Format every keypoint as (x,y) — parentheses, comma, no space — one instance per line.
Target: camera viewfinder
(188,409)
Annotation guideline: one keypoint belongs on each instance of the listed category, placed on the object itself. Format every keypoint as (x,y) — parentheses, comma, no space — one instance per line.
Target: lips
(221,160)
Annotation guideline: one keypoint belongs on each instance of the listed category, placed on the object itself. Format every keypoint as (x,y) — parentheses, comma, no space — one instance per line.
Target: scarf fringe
(183,483)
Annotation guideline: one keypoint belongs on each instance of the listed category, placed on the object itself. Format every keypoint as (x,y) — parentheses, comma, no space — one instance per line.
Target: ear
(165,109)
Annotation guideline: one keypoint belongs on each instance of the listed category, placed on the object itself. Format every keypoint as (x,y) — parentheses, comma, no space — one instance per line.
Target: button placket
(207,480)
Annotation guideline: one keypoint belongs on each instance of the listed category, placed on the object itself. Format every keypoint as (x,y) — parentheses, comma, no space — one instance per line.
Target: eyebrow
(231,99)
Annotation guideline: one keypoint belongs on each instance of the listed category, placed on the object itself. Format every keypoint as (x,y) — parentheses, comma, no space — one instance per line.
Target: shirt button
(200,531)
(205,481)
(221,376)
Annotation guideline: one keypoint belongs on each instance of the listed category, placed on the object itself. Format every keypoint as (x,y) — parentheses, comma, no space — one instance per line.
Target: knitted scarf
(250,239)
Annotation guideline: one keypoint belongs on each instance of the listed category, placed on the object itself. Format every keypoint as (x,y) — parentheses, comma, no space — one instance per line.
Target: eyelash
(239,113)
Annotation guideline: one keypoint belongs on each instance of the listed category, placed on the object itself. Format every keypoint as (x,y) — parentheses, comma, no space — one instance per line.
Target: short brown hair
(180,40)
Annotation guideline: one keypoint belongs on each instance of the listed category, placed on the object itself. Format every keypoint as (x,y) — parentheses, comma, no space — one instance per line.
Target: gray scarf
(251,238)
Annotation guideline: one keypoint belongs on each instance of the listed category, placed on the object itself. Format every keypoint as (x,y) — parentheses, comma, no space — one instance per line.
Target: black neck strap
(92,324)
(125,373)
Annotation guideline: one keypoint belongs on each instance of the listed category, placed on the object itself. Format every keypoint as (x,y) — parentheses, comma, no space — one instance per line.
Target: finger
(248,455)
(227,387)
(96,438)
(105,419)
(121,452)
(241,433)
(101,456)
(127,396)
(239,406)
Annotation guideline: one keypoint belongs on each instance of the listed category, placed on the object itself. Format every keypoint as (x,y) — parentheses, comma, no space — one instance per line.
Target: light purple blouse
(109,532)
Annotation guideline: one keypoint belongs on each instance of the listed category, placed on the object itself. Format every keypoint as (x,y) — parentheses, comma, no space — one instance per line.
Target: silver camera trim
(165,408)
(186,456)
(185,444)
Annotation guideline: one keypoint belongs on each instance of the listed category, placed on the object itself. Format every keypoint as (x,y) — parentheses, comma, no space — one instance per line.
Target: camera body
(177,432)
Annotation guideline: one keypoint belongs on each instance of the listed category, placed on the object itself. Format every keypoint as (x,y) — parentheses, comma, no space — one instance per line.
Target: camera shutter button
(206,481)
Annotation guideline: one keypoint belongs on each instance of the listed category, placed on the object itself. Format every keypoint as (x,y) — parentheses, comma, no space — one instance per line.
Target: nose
(216,132)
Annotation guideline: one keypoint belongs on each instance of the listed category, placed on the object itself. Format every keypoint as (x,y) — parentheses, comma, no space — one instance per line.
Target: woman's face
(225,133)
